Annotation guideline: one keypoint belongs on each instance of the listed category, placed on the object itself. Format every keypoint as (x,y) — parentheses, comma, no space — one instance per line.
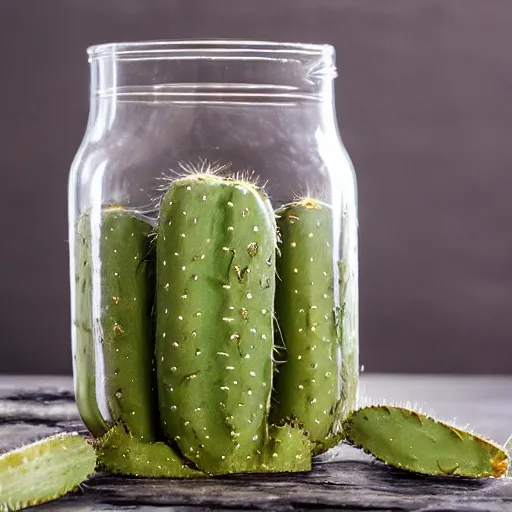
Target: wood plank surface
(34,407)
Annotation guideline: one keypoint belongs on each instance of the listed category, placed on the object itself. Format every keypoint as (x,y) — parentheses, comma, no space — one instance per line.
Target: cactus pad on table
(215,297)
(44,471)
(307,386)
(413,441)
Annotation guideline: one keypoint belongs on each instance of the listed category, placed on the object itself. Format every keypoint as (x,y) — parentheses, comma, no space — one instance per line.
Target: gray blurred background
(424,102)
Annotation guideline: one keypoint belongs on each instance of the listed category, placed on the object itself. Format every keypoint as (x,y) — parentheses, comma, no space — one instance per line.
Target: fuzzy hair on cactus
(413,441)
(307,386)
(123,331)
(216,242)
(44,471)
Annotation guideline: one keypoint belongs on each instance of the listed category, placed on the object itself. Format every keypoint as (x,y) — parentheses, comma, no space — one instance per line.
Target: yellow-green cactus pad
(44,471)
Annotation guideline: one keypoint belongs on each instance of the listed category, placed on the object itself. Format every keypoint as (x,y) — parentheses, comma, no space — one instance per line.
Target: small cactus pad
(120,453)
(413,441)
(127,290)
(84,357)
(44,471)
(216,245)
(288,450)
(307,381)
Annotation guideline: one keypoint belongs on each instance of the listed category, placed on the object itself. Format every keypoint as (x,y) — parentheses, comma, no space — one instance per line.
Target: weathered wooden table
(33,407)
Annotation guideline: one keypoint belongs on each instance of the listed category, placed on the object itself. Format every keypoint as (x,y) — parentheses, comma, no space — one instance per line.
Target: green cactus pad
(413,441)
(120,453)
(307,381)
(215,295)
(124,333)
(44,471)
(288,450)
(127,273)
(84,351)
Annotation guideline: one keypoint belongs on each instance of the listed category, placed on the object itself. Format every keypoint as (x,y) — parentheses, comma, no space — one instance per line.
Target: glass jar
(213,251)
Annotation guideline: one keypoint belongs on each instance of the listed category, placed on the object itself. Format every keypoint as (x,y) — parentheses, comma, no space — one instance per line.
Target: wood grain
(344,479)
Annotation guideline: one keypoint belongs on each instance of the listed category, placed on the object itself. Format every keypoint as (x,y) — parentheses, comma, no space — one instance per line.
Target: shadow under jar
(213,246)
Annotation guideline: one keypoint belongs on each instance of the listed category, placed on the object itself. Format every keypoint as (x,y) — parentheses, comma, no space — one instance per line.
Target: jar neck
(213,72)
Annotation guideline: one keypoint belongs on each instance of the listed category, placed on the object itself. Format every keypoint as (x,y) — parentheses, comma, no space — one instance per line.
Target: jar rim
(204,48)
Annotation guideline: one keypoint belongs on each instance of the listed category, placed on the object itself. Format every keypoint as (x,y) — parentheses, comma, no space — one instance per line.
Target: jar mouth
(216,70)
(210,49)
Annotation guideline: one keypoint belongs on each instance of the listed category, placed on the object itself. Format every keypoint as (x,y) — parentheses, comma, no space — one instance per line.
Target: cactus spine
(307,381)
(44,471)
(123,330)
(410,440)
(215,296)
